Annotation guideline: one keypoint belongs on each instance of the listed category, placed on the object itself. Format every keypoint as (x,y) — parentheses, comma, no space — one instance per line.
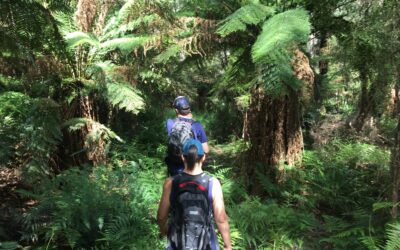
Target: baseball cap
(181,103)
(189,143)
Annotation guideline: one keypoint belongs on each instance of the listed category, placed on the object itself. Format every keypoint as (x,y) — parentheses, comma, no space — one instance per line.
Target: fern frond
(124,44)
(79,38)
(9,245)
(280,33)
(75,124)
(99,130)
(393,234)
(125,96)
(65,22)
(251,14)
(167,54)
(131,26)
(370,243)
(122,16)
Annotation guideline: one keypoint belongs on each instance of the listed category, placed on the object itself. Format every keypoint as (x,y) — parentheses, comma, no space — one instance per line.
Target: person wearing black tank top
(192,178)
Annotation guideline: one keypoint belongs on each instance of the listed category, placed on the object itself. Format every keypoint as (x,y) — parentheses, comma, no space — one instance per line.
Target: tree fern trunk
(95,149)
(274,133)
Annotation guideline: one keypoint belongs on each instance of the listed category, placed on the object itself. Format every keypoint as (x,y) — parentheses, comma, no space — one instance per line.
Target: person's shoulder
(213,179)
(196,124)
(168,182)
(170,120)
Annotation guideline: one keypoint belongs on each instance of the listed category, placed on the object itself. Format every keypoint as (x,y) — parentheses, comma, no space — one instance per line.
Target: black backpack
(191,206)
(181,132)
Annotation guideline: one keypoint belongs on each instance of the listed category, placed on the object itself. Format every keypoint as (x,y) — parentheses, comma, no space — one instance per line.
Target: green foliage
(167,54)
(28,138)
(393,234)
(250,14)
(125,44)
(108,207)
(268,225)
(281,35)
(125,97)
(9,245)
(79,38)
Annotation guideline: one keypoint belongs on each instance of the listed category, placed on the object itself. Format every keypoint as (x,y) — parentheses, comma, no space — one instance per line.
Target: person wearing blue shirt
(183,113)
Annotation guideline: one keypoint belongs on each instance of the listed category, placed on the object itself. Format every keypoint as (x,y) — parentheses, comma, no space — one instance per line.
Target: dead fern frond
(86,14)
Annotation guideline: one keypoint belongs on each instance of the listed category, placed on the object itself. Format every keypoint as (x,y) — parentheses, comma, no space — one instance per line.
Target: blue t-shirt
(197,128)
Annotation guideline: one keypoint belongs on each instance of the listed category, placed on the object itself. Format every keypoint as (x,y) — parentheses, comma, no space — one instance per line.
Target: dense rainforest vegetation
(299,99)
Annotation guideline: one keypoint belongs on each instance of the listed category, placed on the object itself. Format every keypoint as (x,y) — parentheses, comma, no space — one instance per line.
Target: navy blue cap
(191,142)
(181,103)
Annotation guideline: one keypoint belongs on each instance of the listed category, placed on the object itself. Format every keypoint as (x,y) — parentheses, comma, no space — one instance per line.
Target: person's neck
(188,116)
(195,171)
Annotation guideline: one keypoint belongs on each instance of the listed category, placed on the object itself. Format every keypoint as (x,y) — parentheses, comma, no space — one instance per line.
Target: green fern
(274,47)
(393,234)
(124,96)
(9,245)
(167,54)
(125,44)
(280,33)
(78,38)
(251,14)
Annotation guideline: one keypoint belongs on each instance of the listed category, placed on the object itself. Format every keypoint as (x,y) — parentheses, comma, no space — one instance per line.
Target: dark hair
(184,111)
(192,157)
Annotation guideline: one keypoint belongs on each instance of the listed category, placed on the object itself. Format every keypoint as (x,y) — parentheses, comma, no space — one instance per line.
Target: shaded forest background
(299,98)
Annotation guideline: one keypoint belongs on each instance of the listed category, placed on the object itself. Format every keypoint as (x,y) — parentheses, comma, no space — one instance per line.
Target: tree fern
(124,96)
(250,14)
(281,33)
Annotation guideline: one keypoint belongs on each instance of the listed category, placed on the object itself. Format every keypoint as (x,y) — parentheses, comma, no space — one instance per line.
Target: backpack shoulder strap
(174,188)
(209,195)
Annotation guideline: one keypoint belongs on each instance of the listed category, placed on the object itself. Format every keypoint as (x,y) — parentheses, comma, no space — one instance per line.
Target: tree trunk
(363,103)
(275,135)
(323,69)
(395,161)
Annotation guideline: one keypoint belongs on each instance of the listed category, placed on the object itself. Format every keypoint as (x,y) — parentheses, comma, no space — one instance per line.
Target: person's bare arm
(221,219)
(163,208)
(205,147)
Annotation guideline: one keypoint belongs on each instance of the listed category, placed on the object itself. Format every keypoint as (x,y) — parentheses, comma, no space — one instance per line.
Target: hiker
(180,129)
(193,199)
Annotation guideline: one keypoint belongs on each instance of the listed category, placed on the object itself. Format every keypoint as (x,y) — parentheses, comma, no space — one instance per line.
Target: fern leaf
(9,245)
(393,234)
(79,38)
(167,54)
(279,33)
(250,14)
(125,44)
(75,124)
(124,96)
